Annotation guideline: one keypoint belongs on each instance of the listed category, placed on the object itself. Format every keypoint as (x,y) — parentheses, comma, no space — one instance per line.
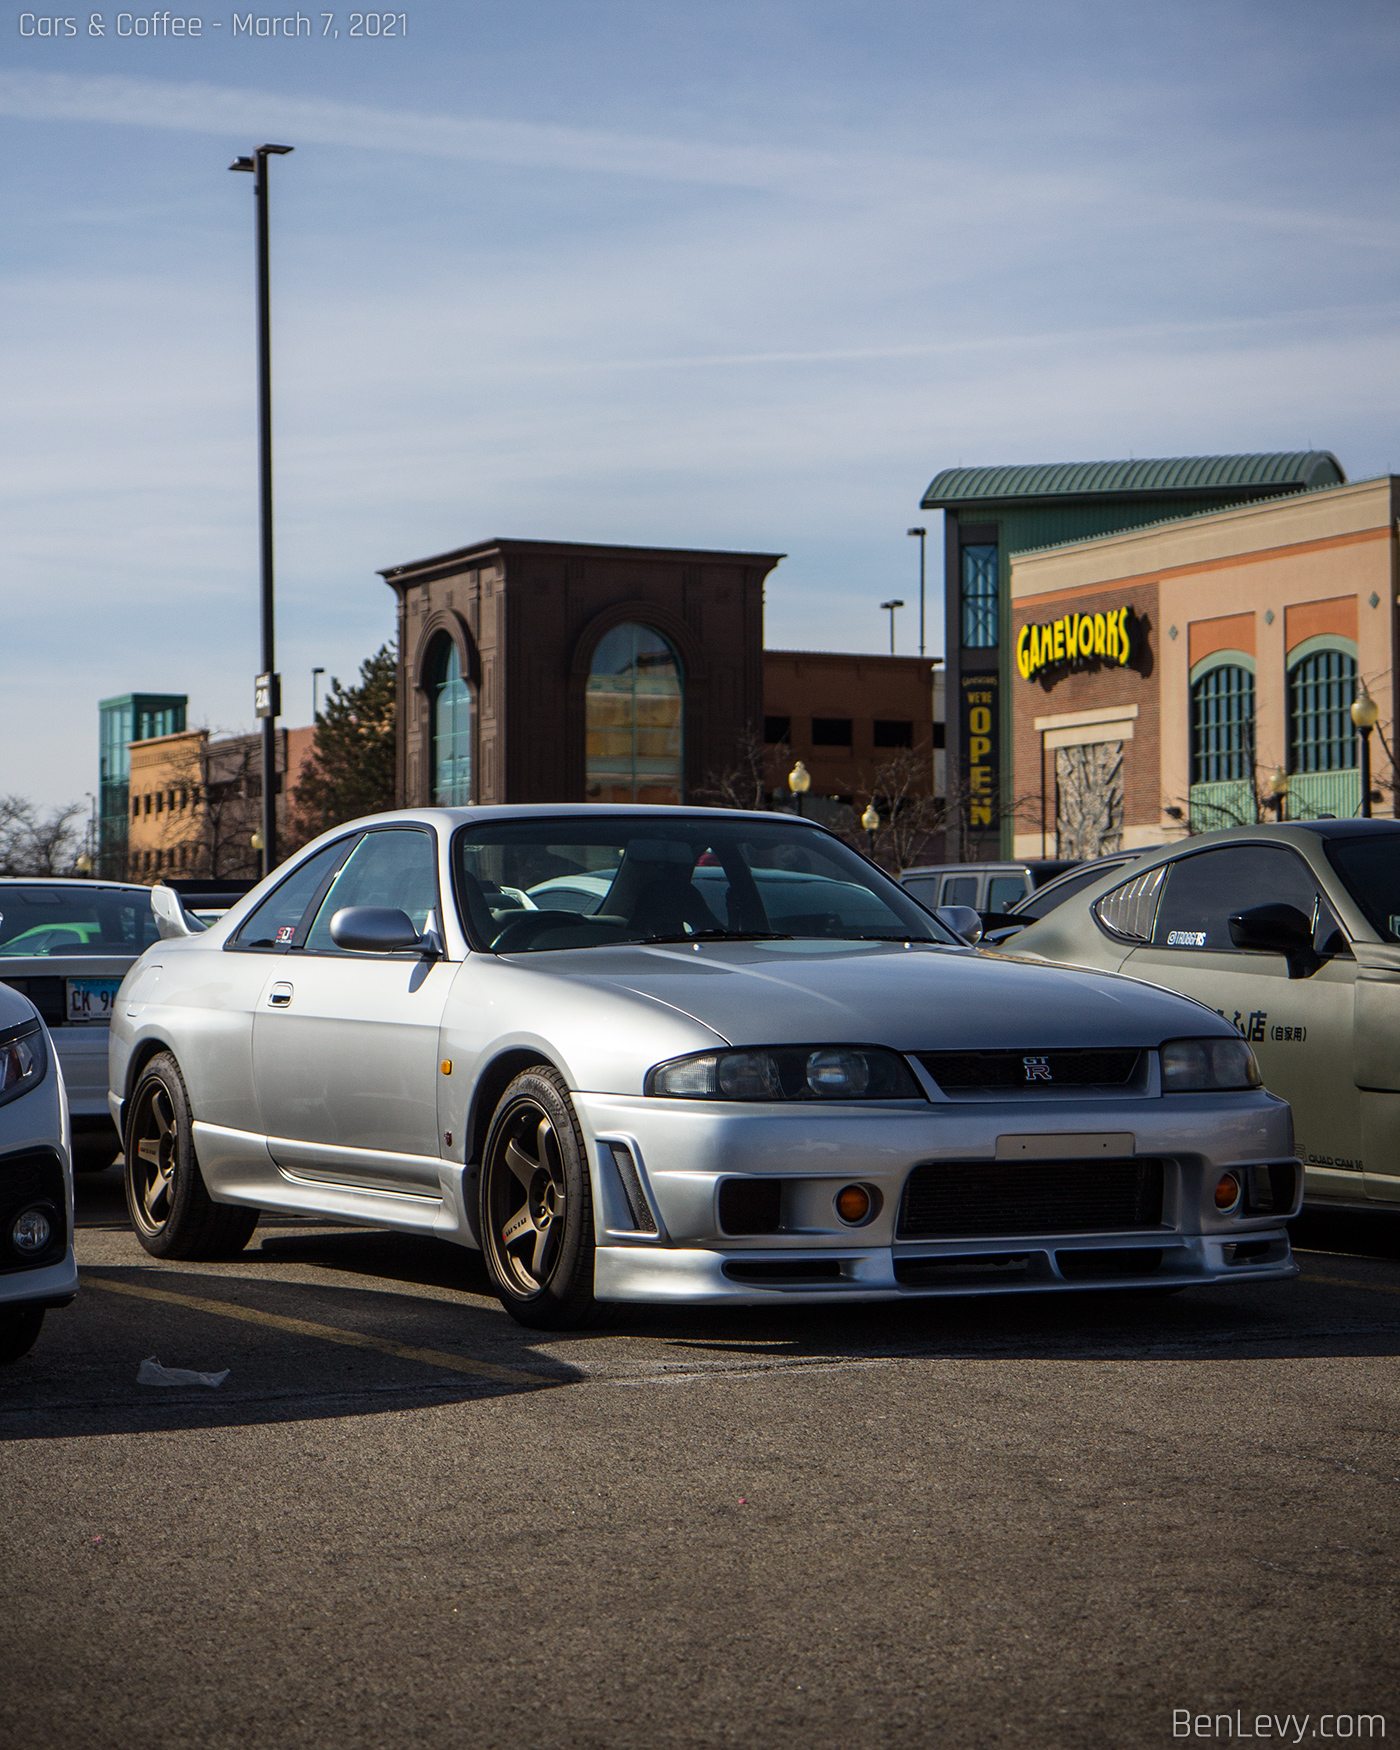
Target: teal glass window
(1321,734)
(450,701)
(1222,725)
(981,604)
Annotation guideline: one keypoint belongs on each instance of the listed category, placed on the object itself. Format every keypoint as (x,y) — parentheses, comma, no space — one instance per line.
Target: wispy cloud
(214,109)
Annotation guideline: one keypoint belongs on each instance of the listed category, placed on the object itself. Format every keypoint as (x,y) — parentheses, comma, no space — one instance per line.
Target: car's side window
(959,890)
(1004,891)
(1203,893)
(274,923)
(394,868)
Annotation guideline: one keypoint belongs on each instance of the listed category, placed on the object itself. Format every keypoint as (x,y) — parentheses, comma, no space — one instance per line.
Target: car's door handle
(279,996)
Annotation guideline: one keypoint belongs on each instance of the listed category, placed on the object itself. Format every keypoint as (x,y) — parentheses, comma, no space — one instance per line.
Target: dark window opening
(831,732)
(893,732)
(940,738)
(777,729)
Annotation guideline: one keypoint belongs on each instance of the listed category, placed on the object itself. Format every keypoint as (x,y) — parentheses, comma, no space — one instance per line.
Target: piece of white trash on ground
(152,1373)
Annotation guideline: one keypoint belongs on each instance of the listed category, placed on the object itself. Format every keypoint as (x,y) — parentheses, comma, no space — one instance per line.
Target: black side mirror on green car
(1277,929)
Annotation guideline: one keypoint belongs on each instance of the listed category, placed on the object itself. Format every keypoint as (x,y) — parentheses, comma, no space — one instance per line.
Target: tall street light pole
(266,692)
(891,606)
(923,545)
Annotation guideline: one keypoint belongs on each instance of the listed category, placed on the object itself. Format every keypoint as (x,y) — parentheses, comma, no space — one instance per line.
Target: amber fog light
(854,1204)
(1227,1192)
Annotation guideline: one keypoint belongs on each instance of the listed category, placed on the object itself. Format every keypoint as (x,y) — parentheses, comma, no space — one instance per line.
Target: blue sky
(731,275)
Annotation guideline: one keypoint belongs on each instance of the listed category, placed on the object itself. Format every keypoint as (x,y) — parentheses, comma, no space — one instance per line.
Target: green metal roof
(1223,477)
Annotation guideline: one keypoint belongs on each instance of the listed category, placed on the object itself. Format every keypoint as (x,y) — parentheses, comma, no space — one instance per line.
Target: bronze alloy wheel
(536,1212)
(166,1197)
(152,1144)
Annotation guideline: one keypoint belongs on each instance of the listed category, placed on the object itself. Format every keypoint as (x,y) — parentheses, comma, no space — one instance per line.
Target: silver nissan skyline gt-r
(679,1055)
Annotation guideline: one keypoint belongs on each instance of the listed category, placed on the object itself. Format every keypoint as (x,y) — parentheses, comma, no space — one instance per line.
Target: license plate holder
(91,1000)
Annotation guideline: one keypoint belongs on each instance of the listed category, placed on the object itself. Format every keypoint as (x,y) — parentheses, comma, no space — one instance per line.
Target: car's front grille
(962,1199)
(48,995)
(1028,1069)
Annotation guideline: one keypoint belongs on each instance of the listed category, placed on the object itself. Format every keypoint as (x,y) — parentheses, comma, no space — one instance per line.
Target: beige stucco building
(1162,676)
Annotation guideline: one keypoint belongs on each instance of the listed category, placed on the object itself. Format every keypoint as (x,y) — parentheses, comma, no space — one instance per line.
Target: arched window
(1222,724)
(1321,735)
(634,708)
(450,705)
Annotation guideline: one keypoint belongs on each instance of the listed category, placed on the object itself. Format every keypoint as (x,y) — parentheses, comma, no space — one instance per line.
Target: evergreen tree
(351,768)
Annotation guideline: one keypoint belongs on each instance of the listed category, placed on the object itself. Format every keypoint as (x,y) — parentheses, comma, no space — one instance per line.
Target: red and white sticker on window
(286,933)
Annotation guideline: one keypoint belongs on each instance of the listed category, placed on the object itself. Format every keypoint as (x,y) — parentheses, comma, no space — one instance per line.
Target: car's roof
(85,882)
(964,869)
(1289,832)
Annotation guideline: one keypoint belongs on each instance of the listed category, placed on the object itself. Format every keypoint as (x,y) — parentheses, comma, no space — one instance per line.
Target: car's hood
(914,999)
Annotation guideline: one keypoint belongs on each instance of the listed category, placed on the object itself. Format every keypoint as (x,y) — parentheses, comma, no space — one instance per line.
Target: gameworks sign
(1102,640)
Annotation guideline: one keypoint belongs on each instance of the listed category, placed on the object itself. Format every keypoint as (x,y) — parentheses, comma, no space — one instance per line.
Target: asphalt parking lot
(402,1519)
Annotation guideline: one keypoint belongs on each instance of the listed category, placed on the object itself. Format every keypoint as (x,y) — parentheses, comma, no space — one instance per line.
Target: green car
(1293,934)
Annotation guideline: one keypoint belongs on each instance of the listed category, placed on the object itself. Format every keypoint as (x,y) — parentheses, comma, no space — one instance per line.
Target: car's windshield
(1370,868)
(41,921)
(533,885)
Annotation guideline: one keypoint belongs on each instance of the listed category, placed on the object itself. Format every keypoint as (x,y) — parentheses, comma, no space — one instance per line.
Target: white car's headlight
(1191,1066)
(787,1072)
(22,1060)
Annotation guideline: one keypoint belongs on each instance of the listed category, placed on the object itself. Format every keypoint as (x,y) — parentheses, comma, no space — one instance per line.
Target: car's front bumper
(684,1151)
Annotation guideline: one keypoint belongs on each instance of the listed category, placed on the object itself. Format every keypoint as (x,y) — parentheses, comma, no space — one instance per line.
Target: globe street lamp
(923,545)
(266,692)
(1278,790)
(870,820)
(891,606)
(799,782)
(1365,714)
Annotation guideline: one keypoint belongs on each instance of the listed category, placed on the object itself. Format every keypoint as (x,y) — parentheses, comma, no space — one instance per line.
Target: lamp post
(891,606)
(870,820)
(1278,791)
(1365,714)
(314,674)
(799,782)
(267,702)
(923,544)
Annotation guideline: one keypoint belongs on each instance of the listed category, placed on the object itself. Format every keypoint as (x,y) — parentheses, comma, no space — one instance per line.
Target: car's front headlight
(22,1060)
(787,1072)
(1191,1066)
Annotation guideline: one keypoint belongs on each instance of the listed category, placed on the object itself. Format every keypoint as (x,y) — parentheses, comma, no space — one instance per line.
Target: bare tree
(34,843)
(751,775)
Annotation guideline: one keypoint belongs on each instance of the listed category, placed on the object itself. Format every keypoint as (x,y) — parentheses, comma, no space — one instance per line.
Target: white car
(66,944)
(37,1266)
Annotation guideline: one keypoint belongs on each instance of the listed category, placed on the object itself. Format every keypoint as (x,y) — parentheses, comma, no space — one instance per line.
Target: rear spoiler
(171,901)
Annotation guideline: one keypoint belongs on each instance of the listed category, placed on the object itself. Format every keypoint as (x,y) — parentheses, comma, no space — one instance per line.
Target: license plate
(91,999)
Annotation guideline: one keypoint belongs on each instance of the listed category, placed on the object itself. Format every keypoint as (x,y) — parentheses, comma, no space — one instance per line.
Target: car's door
(1300,1027)
(345,1044)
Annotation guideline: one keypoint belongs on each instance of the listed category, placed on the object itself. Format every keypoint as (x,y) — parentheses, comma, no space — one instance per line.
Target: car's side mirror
(376,929)
(963,921)
(1277,929)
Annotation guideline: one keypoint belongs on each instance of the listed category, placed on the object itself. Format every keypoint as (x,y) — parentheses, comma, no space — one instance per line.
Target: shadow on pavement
(387,1351)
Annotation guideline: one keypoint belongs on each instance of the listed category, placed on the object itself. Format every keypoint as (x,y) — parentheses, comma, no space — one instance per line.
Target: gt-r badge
(1037,1069)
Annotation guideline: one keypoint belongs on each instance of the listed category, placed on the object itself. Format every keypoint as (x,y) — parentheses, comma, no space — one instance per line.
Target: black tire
(535,1205)
(166,1197)
(19,1331)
